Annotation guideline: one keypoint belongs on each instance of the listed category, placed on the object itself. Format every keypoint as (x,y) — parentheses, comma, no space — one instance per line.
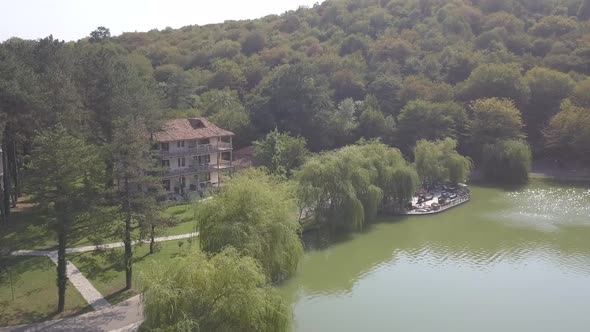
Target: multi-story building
(195,155)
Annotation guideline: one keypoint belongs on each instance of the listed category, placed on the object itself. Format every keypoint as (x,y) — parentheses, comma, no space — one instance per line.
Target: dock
(432,206)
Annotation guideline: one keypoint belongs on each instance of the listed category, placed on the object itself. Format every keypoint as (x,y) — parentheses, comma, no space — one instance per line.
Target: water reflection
(539,234)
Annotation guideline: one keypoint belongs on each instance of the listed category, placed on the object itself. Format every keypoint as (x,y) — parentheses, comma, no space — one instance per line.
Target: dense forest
(398,70)
(491,74)
(342,70)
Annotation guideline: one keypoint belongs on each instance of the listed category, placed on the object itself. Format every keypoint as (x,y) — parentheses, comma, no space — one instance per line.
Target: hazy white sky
(74,19)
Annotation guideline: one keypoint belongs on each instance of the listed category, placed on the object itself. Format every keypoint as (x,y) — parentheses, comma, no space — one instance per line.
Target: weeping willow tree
(507,161)
(438,161)
(255,214)
(225,292)
(346,188)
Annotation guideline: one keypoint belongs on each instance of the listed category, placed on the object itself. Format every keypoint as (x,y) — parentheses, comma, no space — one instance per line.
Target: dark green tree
(137,189)
(507,161)
(432,121)
(496,80)
(280,153)
(548,89)
(64,174)
(100,34)
(291,99)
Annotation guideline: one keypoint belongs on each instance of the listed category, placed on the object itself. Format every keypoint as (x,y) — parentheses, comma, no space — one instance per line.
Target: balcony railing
(195,169)
(197,150)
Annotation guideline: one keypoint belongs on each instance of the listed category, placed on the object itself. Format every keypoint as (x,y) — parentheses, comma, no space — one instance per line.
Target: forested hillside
(396,69)
(399,70)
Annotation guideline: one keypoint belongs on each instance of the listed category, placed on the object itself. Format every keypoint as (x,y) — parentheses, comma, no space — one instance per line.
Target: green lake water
(508,260)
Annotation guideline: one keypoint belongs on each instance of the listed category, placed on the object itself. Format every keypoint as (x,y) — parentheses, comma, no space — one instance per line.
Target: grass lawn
(35,292)
(106,270)
(29,229)
(185,216)
(35,289)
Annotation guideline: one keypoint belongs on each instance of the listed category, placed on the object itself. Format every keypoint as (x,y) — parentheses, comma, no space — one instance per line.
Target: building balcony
(197,150)
(196,169)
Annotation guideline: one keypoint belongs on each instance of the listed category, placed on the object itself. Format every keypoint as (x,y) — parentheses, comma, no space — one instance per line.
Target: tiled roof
(188,129)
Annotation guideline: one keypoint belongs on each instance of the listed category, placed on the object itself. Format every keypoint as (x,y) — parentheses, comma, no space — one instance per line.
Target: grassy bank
(29,229)
(106,271)
(35,292)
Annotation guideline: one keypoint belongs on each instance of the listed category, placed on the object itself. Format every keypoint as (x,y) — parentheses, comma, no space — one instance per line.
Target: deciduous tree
(439,162)
(255,214)
(507,161)
(494,119)
(223,292)
(280,153)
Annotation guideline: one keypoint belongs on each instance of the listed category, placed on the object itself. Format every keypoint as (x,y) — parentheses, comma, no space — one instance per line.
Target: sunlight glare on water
(509,260)
(548,208)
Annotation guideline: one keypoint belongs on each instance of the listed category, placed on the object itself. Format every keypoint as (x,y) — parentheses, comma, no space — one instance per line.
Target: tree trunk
(152,239)
(14,172)
(109,174)
(6,179)
(62,278)
(127,240)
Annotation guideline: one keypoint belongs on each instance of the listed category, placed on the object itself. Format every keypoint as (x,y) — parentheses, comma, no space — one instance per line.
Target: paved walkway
(123,317)
(90,294)
(100,246)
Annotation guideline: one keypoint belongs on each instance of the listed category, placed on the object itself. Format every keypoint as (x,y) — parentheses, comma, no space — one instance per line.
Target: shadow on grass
(120,295)
(19,316)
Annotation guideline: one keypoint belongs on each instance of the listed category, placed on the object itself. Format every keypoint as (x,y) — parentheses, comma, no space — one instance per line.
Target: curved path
(123,317)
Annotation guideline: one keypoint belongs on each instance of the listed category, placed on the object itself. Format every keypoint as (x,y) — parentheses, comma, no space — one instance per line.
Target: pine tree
(137,189)
(63,175)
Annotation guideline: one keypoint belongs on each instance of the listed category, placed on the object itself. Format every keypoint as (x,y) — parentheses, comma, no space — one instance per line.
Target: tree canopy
(64,175)
(255,214)
(281,153)
(507,161)
(223,292)
(425,120)
(494,119)
(439,162)
(347,187)
(568,132)
(292,71)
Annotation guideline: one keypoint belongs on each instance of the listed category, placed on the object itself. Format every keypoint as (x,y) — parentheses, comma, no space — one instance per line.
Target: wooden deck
(458,201)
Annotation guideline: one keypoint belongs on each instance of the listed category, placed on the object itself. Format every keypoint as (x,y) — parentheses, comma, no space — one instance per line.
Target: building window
(181,162)
(166,185)
(192,144)
(155,146)
(180,144)
(165,163)
(165,146)
(182,182)
(204,141)
(205,159)
(205,177)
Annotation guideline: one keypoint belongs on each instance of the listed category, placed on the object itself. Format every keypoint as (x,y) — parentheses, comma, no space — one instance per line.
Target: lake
(508,260)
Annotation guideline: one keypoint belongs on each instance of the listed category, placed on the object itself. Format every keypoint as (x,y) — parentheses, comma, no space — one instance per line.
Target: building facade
(195,155)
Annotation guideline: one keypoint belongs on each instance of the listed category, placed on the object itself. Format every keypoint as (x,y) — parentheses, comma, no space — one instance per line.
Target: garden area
(26,280)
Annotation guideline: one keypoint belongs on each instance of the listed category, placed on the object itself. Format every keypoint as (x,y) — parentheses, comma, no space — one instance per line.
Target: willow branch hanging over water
(346,188)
